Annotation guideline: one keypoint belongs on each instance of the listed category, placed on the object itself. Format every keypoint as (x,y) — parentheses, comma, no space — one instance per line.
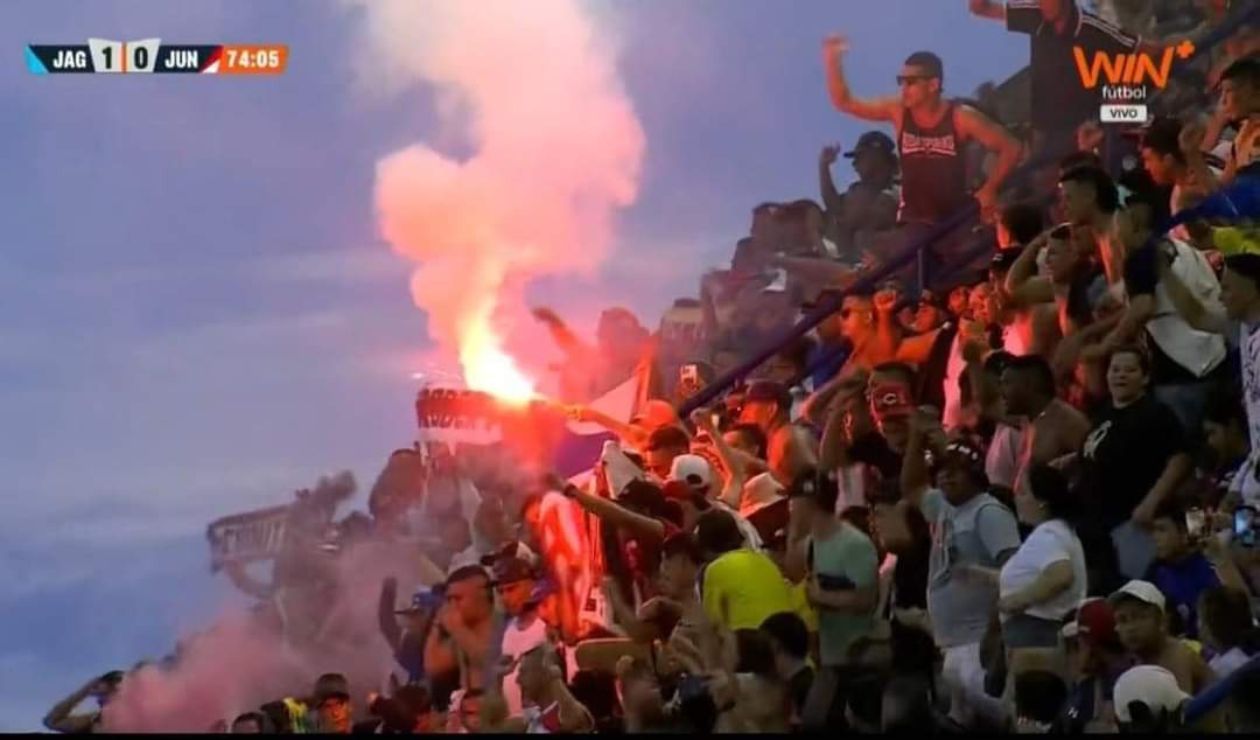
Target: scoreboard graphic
(152,56)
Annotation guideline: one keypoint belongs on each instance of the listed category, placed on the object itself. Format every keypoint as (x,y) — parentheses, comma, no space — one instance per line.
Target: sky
(198,316)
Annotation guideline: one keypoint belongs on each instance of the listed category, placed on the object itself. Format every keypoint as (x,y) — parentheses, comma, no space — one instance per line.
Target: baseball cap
(511,570)
(1152,685)
(873,141)
(891,399)
(329,686)
(693,470)
(760,491)
(1095,621)
(1003,259)
(1143,591)
(668,437)
(424,600)
(681,493)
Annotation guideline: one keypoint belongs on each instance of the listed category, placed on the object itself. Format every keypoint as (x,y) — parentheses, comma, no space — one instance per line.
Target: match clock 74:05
(257,59)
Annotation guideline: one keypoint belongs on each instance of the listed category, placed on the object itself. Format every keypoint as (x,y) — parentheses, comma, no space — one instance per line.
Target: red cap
(1095,622)
(891,399)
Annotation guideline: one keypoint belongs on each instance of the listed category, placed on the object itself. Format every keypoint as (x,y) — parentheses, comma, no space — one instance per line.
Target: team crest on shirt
(932,146)
(1095,439)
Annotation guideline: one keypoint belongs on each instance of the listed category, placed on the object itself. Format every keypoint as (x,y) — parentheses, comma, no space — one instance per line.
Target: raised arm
(990,9)
(735,469)
(1022,285)
(615,514)
(833,201)
(629,433)
(60,719)
(876,109)
(561,334)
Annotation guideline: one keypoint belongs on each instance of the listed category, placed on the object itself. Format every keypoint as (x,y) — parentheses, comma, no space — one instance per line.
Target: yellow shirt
(741,588)
(1233,240)
(802,607)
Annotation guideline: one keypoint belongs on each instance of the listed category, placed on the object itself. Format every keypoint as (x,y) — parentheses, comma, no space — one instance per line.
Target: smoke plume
(532,88)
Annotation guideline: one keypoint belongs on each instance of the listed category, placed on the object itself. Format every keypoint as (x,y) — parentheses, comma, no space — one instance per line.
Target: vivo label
(1123,114)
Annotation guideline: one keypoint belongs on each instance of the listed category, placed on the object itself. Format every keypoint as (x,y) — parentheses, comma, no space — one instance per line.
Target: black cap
(329,686)
(931,64)
(873,141)
(511,570)
(1004,258)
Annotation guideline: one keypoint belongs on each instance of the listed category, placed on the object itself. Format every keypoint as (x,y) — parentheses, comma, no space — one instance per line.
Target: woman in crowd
(1133,459)
(1045,579)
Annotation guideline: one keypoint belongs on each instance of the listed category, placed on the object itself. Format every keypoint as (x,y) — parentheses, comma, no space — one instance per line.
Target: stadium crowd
(1009,486)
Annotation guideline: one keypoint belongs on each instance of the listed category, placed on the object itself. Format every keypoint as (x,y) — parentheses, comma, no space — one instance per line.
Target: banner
(246,538)
(452,416)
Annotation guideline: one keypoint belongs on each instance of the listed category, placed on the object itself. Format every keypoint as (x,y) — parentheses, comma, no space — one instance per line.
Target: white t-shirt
(1050,542)
(517,642)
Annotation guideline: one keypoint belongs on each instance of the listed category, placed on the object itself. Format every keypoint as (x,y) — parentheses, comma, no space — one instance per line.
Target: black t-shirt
(871,448)
(1125,454)
(1060,101)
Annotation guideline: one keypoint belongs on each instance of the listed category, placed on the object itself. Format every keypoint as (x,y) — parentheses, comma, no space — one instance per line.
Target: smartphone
(835,583)
(1245,526)
(1196,523)
(690,374)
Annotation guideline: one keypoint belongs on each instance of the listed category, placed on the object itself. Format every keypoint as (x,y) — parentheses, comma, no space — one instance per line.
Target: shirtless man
(1054,429)
(1139,608)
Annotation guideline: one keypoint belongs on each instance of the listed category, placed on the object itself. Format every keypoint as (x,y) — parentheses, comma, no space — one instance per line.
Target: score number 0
(139,57)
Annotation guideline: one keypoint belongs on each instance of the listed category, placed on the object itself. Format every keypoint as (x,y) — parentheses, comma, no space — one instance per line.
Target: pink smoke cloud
(533,88)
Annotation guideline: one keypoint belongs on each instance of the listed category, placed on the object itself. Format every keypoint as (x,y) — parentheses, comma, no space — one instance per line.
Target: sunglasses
(903,80)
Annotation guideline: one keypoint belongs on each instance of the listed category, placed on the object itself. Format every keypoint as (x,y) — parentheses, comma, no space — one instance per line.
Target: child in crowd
(1181,571)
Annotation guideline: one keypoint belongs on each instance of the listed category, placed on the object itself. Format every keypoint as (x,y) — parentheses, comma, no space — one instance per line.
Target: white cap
(759,492)
(1142,591)
(693,470)
(1152,685)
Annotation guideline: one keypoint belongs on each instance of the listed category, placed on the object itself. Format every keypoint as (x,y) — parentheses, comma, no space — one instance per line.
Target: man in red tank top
(931,132)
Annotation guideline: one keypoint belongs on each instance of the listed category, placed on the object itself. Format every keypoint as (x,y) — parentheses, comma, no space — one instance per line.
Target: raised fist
(829,154)
(834,46)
